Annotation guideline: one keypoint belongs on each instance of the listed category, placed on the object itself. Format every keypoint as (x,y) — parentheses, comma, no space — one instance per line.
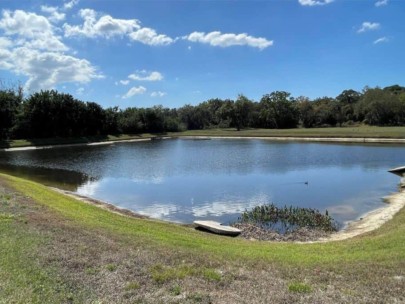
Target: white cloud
(134,91)
(226,40)
(47,69)
(5,54)
(24,24)
(150,37)
(314,2)
(80,91)
(158,94)
(124,82)
(105,26)
(30,47)
(69,5)
(31,30)
(146,76)
(381,3)
(5,42)
(381,40)
(54,15)
(368,26)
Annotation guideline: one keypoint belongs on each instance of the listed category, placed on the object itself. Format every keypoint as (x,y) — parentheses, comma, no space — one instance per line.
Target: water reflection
(59,178)
(183,180)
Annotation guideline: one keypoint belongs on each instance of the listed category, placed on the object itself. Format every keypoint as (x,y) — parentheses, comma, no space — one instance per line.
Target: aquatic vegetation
(288,219)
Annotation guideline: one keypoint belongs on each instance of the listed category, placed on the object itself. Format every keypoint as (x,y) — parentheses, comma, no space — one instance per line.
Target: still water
(184,180)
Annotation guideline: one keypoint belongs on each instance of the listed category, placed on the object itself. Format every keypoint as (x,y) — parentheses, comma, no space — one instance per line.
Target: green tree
(194,117)
(346,103)
(306,112)
(94,119)
(381,107)
(240,113)
(327,111)
(279,110)
(10,102)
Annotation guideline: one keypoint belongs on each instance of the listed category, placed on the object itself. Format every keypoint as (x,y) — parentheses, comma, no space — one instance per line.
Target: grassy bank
(18,143)
(57,249)
(348,132)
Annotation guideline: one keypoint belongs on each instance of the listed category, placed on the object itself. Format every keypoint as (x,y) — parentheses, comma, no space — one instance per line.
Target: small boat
(217,228)
(400,171)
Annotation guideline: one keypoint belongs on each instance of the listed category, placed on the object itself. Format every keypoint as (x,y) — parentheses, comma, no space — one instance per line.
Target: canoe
(217,228)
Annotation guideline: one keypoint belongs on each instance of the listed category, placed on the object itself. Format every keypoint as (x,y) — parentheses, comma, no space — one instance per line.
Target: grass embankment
(55,248)
(347,132)
(18,143)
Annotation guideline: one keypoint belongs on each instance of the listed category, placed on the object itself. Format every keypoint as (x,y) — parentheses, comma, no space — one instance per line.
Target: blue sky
(144,53)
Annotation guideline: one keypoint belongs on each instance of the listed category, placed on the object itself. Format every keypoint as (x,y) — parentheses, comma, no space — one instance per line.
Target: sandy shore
(371,220)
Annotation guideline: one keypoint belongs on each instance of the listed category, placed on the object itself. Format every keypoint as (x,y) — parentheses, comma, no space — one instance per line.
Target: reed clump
(288,218)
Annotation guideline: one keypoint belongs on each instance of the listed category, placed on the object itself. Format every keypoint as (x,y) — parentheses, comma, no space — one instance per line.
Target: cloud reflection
(231,206)
(89,188)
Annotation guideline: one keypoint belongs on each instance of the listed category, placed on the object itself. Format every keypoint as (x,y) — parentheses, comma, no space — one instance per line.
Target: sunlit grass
(18,143)
(173,258)
(385,245)
(350,132)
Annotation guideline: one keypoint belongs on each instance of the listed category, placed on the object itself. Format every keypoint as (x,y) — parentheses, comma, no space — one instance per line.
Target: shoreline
(308,139)
(191,137)
(371,220)
(368,222)
(96,143)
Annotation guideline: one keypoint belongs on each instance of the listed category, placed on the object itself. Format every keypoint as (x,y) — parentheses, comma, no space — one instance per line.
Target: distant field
(65,141)
(362,132)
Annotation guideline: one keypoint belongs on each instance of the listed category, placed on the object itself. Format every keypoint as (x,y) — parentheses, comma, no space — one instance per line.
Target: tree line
(49,113)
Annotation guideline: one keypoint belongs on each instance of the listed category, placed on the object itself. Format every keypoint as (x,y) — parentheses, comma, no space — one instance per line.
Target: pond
(183,180)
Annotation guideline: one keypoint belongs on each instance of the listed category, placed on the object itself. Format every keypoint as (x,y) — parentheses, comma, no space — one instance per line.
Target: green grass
(22,279)
(176,290)
(18,143)
(299,287)
(385,246)
(158,257)
(133,285)
(350,132)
